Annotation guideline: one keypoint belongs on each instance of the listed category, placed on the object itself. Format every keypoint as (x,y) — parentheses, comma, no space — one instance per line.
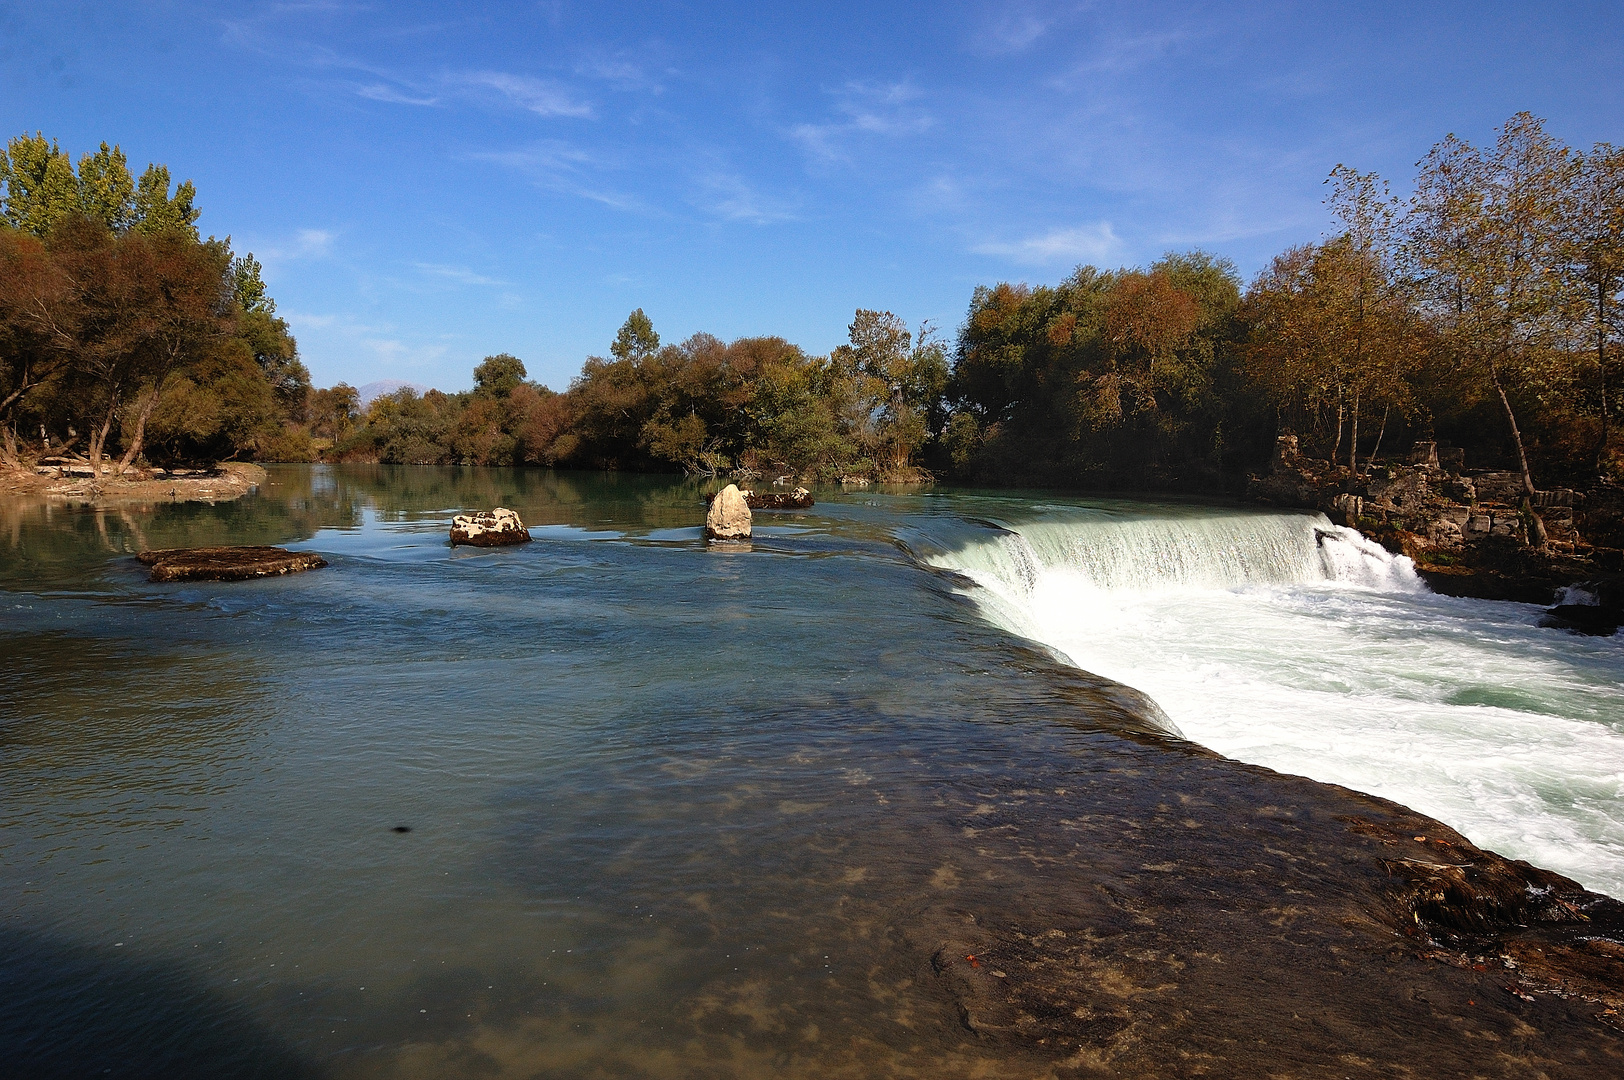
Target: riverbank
(1475,534)
(78,484)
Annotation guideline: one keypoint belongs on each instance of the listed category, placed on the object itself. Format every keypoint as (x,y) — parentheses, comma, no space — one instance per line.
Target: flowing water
(1287,641)
(616,804)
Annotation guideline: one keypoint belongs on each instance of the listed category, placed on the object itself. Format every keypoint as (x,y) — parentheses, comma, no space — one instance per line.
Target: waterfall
(1211,551)
(1287,641)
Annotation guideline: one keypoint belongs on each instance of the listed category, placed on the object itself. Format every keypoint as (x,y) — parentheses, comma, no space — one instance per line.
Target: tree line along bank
(1484,312)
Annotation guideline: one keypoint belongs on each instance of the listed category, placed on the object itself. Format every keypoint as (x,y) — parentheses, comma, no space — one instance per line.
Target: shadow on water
(69,1010)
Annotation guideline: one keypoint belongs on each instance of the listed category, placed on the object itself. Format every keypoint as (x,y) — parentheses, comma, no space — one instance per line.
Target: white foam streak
(1283,640)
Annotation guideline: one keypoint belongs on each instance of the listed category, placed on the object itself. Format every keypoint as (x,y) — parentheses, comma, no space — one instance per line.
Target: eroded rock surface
(495,528)
(729,516)
(227,563)
(1204,933)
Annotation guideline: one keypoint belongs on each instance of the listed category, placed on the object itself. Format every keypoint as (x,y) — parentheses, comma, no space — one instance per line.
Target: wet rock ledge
(1195,917)
(227,563)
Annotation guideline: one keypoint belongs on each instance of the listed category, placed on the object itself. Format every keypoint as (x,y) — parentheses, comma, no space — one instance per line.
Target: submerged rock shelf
(227,563)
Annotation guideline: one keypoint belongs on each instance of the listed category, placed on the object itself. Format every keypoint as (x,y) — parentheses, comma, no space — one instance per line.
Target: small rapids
(1286,641)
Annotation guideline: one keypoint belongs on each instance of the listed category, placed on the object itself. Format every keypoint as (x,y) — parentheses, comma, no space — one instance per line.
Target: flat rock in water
(496,528)
(227,563)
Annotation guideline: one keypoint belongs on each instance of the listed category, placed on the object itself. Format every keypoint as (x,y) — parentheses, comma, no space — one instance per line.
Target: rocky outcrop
(799,499)
(1594,607)
(496,528)
(1471,533)
(729,516)
(227,563)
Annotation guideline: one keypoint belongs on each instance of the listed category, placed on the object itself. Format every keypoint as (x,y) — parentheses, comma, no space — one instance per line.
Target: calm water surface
(672,811)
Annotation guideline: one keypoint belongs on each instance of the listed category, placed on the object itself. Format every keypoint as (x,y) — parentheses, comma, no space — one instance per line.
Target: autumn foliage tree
(119,325)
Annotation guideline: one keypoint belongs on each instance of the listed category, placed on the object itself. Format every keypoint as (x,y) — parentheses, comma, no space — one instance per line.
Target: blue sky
(428,183)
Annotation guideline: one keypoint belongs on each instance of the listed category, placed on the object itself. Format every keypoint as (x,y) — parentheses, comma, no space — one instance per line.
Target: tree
(38,332)
(1146,319)
(145,306)
(1594,242)
(896,384)
(106,190)
(156,211)
(1330,322)
(41,189)
(1484,241)
(249,287)
(498,376)
(636,340)
(333,411)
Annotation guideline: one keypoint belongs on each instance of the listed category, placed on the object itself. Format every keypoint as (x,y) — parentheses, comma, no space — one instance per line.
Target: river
(617,804)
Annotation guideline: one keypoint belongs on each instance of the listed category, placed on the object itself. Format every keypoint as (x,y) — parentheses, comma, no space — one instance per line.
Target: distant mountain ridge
(386,386)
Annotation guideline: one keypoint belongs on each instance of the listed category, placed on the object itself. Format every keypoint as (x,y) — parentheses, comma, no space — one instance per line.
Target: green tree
(41,189)
(106,190)
(156,211)
(636,340)
(895,386)
(249,285)
(498,376)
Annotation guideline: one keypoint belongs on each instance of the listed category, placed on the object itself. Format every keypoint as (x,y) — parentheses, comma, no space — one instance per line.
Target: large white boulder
(729,516)
(494,529)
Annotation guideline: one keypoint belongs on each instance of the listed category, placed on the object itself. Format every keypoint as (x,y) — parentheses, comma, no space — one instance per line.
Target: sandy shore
(231,480)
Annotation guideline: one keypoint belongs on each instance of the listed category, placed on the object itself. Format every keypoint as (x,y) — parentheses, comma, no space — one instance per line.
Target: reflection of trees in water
(69,1010)
(47,541)
(406,493)
(43,541)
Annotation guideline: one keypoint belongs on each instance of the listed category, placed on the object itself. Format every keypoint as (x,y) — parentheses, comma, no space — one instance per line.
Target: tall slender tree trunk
(98,439)
(1516,436)
(1353,441)
(1601,365)
(1380,435)
(1336,447)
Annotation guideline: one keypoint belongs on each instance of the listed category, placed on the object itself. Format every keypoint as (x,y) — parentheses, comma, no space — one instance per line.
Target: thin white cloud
(884,109)
(620,74)
(303,321)
(559,166)
(303,244)
(380,92)
(459,274)
(1013,29)
(1086,243)
(544,97)
(730,198)
(343,335)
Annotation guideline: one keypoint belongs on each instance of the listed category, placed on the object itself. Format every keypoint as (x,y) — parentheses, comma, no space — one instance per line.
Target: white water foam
(1286,641)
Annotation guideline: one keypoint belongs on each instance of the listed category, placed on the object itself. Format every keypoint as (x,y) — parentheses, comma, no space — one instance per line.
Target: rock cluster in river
(729,516)
(495,528)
